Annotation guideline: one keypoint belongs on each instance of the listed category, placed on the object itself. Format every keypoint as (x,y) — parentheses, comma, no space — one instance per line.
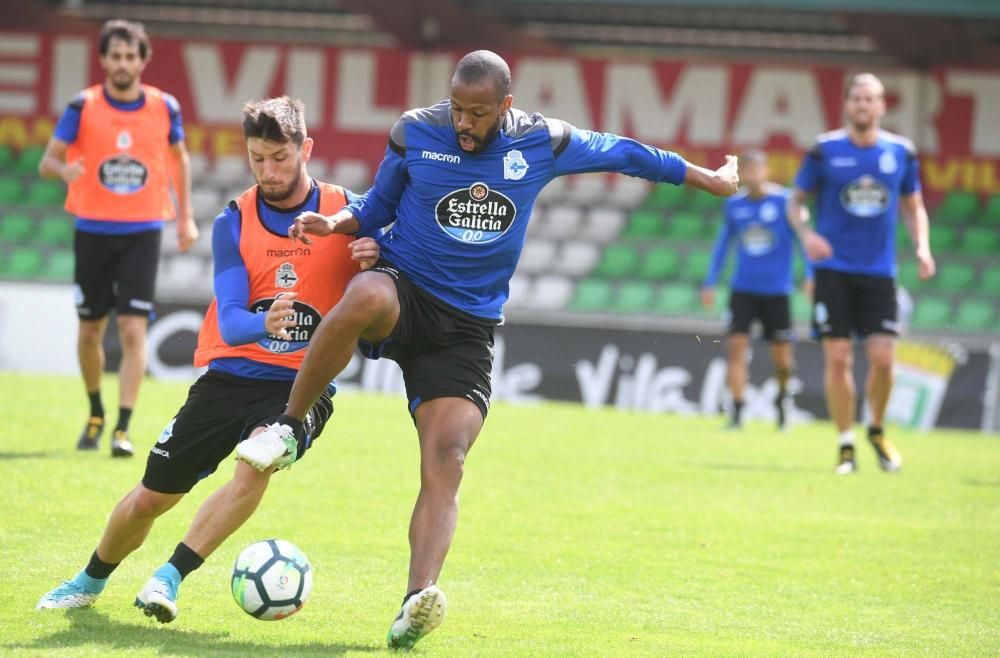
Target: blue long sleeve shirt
(460,218)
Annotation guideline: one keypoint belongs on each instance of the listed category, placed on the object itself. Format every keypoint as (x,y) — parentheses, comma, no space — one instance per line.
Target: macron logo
(441,157)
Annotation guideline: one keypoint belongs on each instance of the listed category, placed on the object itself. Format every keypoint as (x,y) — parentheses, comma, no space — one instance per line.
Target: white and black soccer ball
(271,579)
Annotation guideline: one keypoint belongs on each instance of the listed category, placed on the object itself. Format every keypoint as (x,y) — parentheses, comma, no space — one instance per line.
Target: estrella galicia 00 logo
(865,197)
(122,175)
(306,320)
(475,214)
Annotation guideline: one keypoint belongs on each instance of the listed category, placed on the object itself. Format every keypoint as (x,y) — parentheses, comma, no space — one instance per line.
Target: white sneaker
(158,599)
(275,446)
(420,614)
(68,595)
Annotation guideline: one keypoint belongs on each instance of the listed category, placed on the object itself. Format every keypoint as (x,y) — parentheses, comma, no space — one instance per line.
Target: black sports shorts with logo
(115,271)
(221,410)
(773,312)
(858,304)
(442,351)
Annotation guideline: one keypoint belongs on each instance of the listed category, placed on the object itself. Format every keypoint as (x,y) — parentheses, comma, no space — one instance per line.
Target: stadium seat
(618,260)
(46,194)
(11,190)
(659,263)
(627,192)
(665,197)
(54,231)
(991,213)
(706,204)
(591,295)
(909,275)
(955,277)
(677,298)
(27,161)
(943,238)
(801,307)
(537,256)
(6,158)
(577,258)
(685,227)
(902,236)
(634,297)
(59,266)
(351,174)
(23,263)
(989,282)
(603,225)
(644,224)
(15,228)
(931,313)
(695,265)
(519,290)
(980,240)
(551,292)
(957,207)
(975,315)
(563,222)
(586,189)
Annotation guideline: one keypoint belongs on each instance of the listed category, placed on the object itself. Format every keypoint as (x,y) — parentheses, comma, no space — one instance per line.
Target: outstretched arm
(724,181)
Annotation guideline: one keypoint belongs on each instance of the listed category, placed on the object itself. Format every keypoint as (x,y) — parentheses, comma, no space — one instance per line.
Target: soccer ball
(271,579)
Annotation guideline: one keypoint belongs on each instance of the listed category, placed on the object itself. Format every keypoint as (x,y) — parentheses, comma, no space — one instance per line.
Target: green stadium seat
(989,282)
(677,298)
(618,260)
(801,307)
(11,191)
(696,265)
(60,265)
(591,295)
(16,228)
(23,263)
(991,213)
(955,277)
(706,204)
(664,197)
(659,263)
(902,236)
(931,313)
(634,297)
(27,161)
(975,315)
(943,238)
(45,194)
(957,207)
(685,226)
(980,240)
(909,275)
(644,224)
(6,158)
(55,231)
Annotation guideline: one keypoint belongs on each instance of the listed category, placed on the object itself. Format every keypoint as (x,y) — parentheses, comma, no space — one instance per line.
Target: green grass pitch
(581,534)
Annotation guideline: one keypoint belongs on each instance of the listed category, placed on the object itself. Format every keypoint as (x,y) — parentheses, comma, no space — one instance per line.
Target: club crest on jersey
(285,276)
(476,214)
(887,163)
(768,212)
(514,165)
(124,141)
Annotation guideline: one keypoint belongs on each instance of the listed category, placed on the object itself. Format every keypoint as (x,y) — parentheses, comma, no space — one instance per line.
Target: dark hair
(860,79)
(131,33)
(480,65)
(280,120)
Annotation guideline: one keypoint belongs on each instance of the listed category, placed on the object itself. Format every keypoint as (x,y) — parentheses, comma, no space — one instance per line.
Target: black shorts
(773,312)
(220,411)
(857,304)
(442,351)
(115,271)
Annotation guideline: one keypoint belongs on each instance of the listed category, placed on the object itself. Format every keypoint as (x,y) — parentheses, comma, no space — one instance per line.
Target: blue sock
(169,573)
(91,585)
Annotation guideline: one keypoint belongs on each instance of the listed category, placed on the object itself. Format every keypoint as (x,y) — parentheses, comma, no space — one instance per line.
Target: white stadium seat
(563,222)
(537,256)
(551,292)
(603,224)
(577,258)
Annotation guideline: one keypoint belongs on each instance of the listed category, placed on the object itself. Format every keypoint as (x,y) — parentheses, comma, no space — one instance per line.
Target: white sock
(847,438)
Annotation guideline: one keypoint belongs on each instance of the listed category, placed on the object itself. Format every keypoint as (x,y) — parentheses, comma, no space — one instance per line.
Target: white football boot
(275,446)
(420,614)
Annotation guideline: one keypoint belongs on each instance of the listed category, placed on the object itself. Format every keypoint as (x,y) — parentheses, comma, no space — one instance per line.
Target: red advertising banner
(700,108)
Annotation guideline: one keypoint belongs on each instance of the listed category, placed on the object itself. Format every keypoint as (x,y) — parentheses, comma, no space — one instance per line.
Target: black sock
(185,560)
(98,568)
(96,406)
(874,430)
(409,595)
(294,423)
(737,411)
(124,416)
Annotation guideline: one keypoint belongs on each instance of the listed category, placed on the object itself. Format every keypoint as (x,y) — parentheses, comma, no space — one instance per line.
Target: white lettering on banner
(985,91)
(304,74)
(917,100)
(514,384)
(647,388)
(216,100)
(758,400)
(18,73)
(595,380)
(430,79)
(159,332)
(70,60)
(355,95)
(780,102)
(553,87)
(699,101)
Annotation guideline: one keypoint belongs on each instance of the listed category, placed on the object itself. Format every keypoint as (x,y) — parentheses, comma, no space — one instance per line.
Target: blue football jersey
(857,198)
(460,218)
(765,244)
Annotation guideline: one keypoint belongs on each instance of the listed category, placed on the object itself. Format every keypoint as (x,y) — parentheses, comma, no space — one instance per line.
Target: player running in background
(863,177)
(761,286)
(118,146)
(268,299)
(459,179)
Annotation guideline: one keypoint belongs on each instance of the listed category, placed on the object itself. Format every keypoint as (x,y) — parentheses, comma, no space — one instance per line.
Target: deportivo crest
(514,165)
(124,140)
(887,163)
(475,214)
(768,212)
(285,276)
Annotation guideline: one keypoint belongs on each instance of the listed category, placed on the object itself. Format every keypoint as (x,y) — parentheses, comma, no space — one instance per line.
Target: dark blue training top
(460,218)
(766,242)
(857,198)
(69,127)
